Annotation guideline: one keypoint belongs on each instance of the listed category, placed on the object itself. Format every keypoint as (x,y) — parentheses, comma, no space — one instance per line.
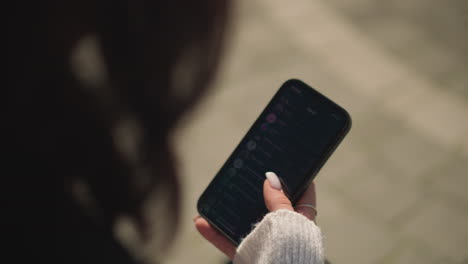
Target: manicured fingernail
(273,179)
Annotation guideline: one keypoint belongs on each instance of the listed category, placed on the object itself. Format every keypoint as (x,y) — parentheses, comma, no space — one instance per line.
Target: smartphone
(293,136)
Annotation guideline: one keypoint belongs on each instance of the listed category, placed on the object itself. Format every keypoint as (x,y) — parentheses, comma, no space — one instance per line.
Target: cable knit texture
(282,237)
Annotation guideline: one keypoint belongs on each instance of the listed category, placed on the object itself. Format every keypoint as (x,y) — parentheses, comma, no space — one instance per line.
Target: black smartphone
(293,137)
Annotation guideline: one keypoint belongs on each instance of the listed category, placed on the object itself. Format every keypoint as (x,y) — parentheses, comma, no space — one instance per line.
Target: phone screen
(293,137)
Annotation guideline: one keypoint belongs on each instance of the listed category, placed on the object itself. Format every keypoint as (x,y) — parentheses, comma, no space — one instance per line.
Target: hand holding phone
(274,200)
(293,137)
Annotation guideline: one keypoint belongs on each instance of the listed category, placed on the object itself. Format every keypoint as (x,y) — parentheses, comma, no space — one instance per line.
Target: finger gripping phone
(293,137)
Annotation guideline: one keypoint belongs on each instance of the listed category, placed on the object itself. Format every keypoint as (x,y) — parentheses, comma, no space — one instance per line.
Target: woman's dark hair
(105,138)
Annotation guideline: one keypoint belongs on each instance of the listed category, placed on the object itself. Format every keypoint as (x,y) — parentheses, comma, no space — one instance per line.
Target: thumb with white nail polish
(275,198)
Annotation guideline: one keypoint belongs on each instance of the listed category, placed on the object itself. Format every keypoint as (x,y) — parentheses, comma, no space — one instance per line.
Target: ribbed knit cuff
(282,237)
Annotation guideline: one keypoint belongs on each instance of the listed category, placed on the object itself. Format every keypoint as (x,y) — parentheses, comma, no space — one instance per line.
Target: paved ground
(395,190)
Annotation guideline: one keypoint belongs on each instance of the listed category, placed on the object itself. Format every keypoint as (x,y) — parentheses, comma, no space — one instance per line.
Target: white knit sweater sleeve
(282,237)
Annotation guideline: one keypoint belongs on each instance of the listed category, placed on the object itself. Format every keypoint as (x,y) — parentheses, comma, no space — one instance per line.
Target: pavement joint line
(355,37)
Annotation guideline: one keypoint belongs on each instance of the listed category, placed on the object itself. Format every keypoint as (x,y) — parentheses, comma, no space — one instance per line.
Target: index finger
(215,237)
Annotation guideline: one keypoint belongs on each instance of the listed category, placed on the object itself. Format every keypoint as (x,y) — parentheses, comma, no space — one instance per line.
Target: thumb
(275,198)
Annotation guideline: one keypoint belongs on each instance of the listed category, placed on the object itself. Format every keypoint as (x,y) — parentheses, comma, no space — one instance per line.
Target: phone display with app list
(293,137)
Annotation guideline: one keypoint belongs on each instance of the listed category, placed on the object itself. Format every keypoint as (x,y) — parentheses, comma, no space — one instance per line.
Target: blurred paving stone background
(395,190)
